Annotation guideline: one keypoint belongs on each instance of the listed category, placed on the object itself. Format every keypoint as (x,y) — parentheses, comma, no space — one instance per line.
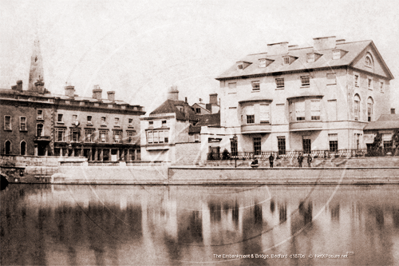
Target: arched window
(368,61)
(370,107)
(7,147)
(357,107)
(23,148)
(39,132)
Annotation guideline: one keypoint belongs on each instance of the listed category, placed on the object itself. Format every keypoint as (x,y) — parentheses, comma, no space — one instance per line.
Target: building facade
(303,99)
(36,122)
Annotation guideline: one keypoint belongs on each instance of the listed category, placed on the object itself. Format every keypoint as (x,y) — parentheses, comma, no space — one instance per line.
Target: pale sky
(141,48)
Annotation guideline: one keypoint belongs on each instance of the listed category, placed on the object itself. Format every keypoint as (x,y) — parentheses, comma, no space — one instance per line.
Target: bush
(225,155)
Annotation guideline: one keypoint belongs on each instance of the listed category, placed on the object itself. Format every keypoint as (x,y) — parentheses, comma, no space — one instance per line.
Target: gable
(377,67)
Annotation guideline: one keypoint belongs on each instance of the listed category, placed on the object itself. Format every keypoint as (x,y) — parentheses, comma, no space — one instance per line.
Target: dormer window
(312,57)
(338,54)
(262,62)
(286,60)
(242,64)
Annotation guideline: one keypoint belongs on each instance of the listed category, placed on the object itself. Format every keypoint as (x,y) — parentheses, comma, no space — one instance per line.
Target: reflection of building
(37,122)
(314,98)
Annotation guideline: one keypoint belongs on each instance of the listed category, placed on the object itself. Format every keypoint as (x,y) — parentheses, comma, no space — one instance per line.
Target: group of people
(300,160)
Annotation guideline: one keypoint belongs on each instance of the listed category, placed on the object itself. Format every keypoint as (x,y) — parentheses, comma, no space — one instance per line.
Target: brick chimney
(323,43)
(213,98)
(97,92)
(277,48)
(19,85)
(173,93)
(111,96)
(69,91)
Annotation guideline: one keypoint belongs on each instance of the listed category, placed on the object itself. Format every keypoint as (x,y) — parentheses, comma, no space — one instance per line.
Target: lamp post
(235,152)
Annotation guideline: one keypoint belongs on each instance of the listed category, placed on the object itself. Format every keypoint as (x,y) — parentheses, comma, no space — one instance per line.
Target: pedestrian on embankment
(271,160)
(309,160)
(300,159)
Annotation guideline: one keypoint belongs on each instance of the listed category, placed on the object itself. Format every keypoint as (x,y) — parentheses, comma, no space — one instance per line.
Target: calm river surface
(186,225)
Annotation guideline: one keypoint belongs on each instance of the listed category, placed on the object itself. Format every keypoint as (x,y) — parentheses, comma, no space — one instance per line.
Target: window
(23,148)
(382,86)
(39,130)
(156,136)
(7,147)
(161,138)
(150,136)
(89,136)
(315,109)
(103,121)
(60,118)
(264,113)
(89,120)
(356,80)
(250,114)
(281,145)
(300,110)
(233,145)
(333,139)
(22,123)
(74,118)
(306,144)
(262,62)
(232,85)
(336,54)
(130,136)
(198,110)
(370,84)
(60,134)
(196,138)
(39,115)
(150,123)
(305,80)
(256,85)
(357,107)
(310,57)
(332,110)
(130,121)
(240,66)
(368,61)
(286,60)
(331,79)
(257,146)
(7,122)
(116,121)
(370,104)
(164,123)
(103,134)
(280,82)
(75,134)
(117,136)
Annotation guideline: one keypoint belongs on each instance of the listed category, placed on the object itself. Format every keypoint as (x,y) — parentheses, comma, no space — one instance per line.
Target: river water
(199,225)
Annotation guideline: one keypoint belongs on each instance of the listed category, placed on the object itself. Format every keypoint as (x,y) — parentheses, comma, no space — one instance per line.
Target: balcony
(306,125)
(262,128)
(42,138)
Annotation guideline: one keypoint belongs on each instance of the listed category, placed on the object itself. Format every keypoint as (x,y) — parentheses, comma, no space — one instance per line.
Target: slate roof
(169,106)
(351,51)
(209,120)
(390,121)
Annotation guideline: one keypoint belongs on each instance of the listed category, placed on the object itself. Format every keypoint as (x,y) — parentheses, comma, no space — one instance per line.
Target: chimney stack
(97,92)
(111,96)
(213,98)
(323,43)
(39,86)
(19,85)
(277,48)
(69,91)
(185,99)
(173,93)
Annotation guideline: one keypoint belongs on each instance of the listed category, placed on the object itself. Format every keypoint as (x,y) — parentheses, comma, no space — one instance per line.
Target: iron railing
(264,155)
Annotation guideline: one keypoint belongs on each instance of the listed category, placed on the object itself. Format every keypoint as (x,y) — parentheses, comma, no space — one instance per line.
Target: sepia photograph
(199,132)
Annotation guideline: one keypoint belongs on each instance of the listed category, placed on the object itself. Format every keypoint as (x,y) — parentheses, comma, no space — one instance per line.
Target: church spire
(36,67)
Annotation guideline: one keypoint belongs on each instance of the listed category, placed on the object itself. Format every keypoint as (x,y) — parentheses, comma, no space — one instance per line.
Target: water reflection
(131,225)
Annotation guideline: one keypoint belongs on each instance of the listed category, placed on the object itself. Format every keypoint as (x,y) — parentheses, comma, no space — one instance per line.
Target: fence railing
(264,155)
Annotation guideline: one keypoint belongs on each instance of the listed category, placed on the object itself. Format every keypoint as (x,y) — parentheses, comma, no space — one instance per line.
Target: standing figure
(300,159)
(271,159)
(309,161)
